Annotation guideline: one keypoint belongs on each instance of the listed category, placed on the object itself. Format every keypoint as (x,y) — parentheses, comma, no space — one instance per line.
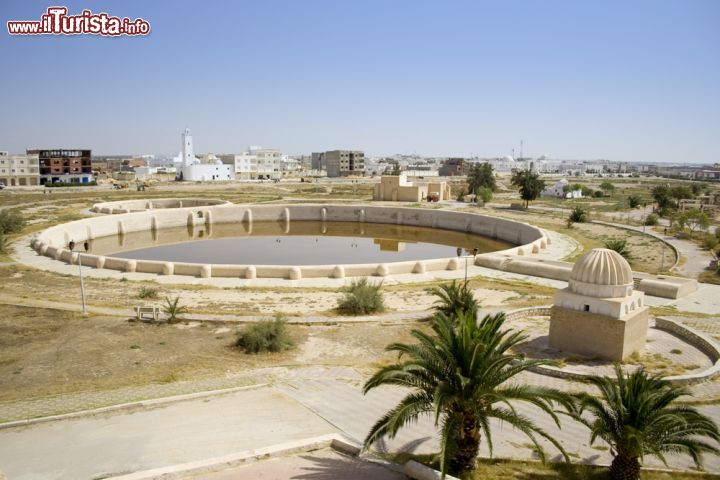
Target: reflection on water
(295,243)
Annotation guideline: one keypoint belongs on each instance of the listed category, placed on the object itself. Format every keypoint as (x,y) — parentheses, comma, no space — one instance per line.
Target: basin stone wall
(53,241)
(140,205)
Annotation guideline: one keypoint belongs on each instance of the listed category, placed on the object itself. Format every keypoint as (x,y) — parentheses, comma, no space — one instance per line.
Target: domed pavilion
(599,314)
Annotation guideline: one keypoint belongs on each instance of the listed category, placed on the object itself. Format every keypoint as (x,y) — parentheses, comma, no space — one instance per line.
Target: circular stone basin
(298,243)
(392,231)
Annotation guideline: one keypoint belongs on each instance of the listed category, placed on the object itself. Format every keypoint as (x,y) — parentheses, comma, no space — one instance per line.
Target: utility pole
(71,246)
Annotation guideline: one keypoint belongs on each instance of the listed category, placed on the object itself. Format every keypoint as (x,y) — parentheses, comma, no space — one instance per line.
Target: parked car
(2,185)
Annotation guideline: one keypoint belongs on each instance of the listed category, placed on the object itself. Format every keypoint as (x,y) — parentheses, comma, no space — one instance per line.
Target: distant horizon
(627,82)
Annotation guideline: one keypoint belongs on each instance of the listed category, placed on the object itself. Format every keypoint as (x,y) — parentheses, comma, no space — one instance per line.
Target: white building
(19,169)
(194,171)
(559,190)
(257,163)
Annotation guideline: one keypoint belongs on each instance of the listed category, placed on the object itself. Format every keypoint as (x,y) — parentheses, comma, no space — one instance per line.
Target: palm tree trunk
(468,446)
(624,467)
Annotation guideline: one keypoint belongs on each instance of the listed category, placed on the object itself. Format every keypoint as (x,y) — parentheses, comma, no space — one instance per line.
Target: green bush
(361,298)
(578,215)
(4,243)
(598,194)
(266,336)
(11,221)
(620,246)
(651,220)
(634,201)
(148,292)
(710,241)
(173,309)
(484,194)
(455,299)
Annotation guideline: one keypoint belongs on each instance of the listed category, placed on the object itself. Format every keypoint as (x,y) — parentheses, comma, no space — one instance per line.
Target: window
(586,308)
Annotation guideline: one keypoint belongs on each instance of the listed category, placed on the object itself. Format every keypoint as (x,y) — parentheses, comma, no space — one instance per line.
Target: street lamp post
(459,254)
(86,245)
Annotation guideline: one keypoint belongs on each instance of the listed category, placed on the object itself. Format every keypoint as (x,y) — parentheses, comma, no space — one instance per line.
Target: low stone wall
(53,241)
(664,286)
(141,205)
(699,340)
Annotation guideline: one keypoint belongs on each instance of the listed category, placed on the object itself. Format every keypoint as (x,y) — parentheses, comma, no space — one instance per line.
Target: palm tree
(455,298)
(460,375)
(173,309)
(638,415)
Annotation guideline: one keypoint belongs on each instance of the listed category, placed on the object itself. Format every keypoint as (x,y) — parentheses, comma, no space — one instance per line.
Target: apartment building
(19,170)
(66,166)
(340,163)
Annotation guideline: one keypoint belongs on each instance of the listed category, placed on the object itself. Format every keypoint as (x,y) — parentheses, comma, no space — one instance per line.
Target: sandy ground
(45,352)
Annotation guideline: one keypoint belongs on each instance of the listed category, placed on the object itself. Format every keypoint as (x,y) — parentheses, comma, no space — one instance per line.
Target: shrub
(455,298)
(173,309)
(4,243)
(620,246)
(651,220)
(361,298)
(598,194)
(710,242)
(148,292)
(266,336)
(11,221)
(578,215)
(587,191)
(484,194)
(634,201)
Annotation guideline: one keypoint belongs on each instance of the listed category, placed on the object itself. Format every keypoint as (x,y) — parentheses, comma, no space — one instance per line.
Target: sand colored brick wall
(589,334)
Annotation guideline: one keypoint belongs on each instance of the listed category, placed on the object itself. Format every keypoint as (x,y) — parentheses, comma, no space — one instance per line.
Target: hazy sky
(626,80)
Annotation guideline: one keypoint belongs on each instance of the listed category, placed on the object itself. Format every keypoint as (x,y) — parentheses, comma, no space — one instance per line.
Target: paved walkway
(696,258)
(303,403)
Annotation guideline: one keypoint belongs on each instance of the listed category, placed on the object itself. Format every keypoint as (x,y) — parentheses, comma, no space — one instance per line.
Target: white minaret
(188,157)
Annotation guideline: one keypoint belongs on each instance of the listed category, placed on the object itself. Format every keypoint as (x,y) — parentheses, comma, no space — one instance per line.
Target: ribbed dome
(602,266)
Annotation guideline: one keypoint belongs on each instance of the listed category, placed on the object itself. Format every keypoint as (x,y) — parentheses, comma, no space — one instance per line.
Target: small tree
(173,309)
(587,191)
(484,194)
(464,374)
(639,415)
(529,183)
(697,220)
(681,192)
(634,201)
(481,175)
(607,187)
(578,215)
(661,195)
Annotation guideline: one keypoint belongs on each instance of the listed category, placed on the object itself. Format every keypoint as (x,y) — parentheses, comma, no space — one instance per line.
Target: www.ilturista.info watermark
(57,22)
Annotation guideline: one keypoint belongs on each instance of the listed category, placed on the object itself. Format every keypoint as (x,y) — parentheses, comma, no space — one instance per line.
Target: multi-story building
(255,163)
(19,170)
(64,166)
(340,163)
(454,167)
